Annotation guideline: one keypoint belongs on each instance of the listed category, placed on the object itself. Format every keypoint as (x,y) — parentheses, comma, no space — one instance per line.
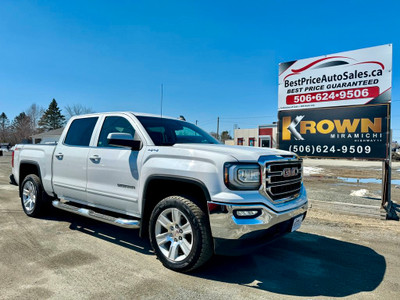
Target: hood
(241,153)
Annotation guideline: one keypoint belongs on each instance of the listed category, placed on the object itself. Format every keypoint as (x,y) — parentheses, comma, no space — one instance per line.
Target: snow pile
(307,171)
(359,193)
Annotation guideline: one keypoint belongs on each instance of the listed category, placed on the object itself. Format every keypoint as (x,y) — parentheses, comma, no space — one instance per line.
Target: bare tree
(76,110)
(34,112)
(21,128)
(225,136)
(214,135)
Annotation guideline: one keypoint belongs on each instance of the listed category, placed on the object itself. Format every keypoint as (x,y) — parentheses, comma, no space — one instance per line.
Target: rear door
(71,158)
(113,174)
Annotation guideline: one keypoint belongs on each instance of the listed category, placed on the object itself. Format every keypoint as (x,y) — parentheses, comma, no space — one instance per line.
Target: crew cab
(189,194)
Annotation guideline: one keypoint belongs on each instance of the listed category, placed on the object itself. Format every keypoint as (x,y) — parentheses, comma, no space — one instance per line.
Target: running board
(125,223)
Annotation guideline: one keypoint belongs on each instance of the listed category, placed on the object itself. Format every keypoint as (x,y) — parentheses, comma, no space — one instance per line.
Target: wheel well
(158,189)
(26,169)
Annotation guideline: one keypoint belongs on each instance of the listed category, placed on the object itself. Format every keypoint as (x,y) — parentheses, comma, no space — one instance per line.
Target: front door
(113,173)
(265,141)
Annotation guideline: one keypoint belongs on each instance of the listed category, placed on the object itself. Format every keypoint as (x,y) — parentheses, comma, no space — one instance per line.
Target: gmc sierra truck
(189,194)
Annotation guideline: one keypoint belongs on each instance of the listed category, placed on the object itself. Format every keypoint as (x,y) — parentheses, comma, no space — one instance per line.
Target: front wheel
(180,234)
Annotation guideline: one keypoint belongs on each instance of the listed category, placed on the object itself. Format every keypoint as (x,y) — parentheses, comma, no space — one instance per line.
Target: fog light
(248,213)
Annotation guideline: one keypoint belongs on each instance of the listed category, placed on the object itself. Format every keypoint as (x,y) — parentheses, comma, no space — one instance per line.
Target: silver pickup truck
(191,195)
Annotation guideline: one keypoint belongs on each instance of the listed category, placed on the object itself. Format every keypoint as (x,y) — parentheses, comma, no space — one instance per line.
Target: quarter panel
(41,155)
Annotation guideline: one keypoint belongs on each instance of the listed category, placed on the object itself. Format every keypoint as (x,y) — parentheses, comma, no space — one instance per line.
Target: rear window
(80,132)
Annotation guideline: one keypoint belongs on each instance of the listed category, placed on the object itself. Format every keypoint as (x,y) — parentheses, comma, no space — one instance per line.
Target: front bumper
(233,235)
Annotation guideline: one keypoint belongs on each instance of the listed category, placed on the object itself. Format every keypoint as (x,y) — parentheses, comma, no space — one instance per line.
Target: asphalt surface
(64,256)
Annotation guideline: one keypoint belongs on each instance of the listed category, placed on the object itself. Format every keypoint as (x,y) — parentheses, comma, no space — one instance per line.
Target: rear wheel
(180,234)
(33,199)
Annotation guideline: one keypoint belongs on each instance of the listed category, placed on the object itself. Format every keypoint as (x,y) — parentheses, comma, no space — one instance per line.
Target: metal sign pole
(387,203)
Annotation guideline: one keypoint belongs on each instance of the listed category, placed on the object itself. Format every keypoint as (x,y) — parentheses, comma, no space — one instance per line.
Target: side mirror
(123,140)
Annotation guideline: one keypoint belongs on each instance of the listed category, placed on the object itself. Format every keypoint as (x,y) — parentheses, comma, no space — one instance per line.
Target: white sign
(348,78)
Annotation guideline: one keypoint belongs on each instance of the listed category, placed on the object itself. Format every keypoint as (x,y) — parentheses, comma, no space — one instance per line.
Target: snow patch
(359,193)
(307,171)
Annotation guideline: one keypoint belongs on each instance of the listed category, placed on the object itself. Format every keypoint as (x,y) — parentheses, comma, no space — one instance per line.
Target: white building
(47,137)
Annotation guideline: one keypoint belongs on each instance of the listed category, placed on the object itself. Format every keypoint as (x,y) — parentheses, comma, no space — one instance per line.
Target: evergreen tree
(4,127)
(52,117)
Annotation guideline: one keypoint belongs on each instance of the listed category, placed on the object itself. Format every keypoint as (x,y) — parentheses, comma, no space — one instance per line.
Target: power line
(205,123)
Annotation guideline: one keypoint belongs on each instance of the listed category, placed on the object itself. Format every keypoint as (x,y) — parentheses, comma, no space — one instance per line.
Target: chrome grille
(283,179)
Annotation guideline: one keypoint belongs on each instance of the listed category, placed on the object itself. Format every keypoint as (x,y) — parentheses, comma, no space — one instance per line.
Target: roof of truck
(137,114)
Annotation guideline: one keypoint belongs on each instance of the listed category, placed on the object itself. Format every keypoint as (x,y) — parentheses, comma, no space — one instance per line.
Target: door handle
(95,158)
(60,155)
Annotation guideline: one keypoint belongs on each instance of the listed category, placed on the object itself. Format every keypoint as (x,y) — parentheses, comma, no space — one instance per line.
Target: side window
(188,135)
(111,125)
(80,132)
(185,131)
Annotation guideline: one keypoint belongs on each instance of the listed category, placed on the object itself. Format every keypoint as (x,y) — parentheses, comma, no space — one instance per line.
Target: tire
(180,234)
(33,199)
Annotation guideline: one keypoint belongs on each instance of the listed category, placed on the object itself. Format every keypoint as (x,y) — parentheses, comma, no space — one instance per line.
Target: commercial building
(263,136)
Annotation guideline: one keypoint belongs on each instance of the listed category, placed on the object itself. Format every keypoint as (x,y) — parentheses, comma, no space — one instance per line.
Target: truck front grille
(283,179)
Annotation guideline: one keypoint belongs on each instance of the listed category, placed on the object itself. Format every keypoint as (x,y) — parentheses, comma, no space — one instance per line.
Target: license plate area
(297,223)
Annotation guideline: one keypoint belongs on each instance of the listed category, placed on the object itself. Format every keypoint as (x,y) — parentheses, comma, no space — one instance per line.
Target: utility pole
(218,128)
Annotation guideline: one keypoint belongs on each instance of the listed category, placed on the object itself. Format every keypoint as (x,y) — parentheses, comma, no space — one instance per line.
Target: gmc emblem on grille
(289,172)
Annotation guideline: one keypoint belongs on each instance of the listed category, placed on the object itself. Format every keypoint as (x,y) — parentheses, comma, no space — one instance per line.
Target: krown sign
(348,78)
(345,128)
(358,131)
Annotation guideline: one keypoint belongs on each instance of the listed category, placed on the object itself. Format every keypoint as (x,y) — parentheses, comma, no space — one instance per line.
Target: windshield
(167,132)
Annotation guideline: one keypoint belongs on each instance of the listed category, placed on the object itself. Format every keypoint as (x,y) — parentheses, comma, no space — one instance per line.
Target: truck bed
(40,155)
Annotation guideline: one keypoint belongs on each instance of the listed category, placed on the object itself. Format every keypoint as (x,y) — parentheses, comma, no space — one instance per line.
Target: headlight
(242,176)
(248,175)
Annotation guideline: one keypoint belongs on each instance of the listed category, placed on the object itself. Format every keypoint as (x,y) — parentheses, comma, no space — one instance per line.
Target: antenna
(162,96)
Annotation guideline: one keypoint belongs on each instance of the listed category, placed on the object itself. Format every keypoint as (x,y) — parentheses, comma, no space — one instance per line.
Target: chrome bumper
(225,226)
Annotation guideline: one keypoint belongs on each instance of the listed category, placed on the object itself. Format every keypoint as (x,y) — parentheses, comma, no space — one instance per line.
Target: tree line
(36,120)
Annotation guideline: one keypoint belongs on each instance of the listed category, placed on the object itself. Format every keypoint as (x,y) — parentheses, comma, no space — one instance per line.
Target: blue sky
(214,58)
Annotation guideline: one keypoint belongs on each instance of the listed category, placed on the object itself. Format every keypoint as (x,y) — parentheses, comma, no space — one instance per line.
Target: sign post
(338,106)
(387,203)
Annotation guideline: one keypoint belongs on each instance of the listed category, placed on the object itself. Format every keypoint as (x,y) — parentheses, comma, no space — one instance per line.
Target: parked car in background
(5,147)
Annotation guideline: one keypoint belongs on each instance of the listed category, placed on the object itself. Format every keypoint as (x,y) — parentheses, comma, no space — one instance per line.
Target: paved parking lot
(65,256)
